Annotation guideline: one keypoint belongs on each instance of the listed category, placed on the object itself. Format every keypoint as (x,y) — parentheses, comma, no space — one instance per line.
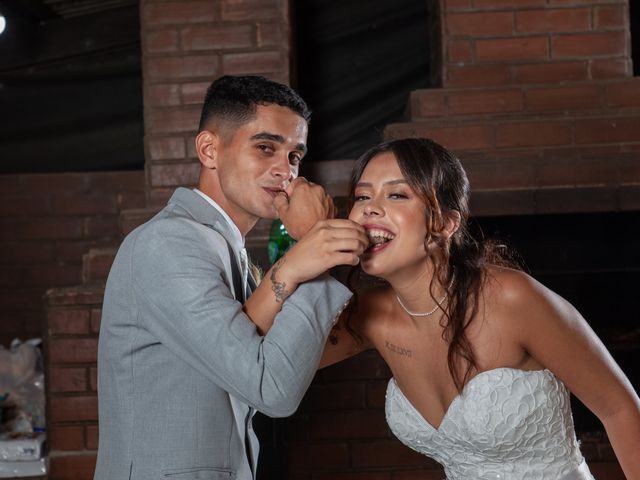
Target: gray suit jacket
(175,347)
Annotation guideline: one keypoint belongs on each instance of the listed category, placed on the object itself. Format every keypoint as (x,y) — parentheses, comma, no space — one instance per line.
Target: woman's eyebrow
(390,182)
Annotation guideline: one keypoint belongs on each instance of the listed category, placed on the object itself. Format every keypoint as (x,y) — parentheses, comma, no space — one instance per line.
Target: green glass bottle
(279,241)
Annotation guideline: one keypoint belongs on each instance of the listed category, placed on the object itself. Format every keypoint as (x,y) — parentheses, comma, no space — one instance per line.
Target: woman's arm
(554,333)
(342,344)
(327,244)
(365,318)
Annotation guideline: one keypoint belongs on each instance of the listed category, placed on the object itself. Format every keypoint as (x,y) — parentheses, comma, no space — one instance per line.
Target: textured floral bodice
(506,424)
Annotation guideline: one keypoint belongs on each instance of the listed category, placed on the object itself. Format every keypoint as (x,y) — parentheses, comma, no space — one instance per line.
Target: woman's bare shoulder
(516,299)
(509,286)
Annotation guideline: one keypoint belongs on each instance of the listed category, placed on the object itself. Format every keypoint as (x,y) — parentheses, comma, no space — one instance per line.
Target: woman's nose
(372,209)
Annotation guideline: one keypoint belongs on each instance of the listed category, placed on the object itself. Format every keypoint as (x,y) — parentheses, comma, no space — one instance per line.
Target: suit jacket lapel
(198,208)
(202,212)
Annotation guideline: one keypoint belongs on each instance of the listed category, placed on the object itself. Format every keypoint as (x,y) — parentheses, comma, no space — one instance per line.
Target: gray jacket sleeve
(184,299)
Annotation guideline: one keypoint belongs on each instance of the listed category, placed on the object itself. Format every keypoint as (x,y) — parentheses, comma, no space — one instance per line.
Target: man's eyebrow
(274,137)
(390,182)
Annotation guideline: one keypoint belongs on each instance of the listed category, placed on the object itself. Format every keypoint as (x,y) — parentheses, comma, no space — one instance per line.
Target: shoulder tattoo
(405,352)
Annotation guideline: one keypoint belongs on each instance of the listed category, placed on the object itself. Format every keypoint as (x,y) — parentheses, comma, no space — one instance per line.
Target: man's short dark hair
(232,101)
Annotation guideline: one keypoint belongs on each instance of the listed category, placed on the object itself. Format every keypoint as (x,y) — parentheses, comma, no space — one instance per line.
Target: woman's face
(394,218)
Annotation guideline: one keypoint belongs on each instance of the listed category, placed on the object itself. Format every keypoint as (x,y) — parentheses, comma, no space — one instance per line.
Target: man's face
(257,161)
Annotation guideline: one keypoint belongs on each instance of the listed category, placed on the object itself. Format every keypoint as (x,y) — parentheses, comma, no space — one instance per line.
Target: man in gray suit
(181,367)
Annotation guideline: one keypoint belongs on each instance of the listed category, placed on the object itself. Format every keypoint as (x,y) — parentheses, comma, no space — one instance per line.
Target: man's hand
(327,244)
(302,206)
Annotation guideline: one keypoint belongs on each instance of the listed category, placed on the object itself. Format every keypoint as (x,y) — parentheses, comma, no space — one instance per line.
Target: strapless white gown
(506,424)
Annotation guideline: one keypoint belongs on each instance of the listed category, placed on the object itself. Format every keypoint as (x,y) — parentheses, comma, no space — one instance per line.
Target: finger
(281,202)
(350,245)
(349,241)
(295,183)
(345,223)
(343,234)
(343,258)
(331,207)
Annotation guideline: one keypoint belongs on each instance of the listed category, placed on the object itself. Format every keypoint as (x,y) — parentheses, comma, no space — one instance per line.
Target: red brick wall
(73,318)
(186,44)
(498,42)
(47,223)
(498,56)
(540,91)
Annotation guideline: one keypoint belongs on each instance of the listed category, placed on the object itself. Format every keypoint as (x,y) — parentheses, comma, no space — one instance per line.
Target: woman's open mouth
(379,238)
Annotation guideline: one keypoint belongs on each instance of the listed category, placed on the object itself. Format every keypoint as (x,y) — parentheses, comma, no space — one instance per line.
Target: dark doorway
(634,17)
(355,63)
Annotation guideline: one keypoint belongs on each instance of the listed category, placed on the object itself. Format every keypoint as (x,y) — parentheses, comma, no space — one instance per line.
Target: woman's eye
(396,196)
(360,198)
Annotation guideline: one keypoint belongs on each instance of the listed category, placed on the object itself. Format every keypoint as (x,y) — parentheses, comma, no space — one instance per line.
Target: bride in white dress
(483,356)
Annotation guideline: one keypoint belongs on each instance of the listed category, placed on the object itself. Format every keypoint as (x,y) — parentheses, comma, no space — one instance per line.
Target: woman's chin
(370,268)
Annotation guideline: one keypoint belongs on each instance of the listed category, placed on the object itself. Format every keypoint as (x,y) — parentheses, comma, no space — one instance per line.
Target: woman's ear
(207,149)
(451,223)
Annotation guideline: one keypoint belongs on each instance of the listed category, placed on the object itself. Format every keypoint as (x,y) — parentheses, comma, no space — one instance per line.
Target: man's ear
(207,144)
(451,223)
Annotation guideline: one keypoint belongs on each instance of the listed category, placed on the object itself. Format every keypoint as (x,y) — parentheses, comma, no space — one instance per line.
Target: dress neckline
(460,395)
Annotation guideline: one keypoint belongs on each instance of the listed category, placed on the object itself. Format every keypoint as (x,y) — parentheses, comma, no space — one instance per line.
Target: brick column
(186,44)
(73,322)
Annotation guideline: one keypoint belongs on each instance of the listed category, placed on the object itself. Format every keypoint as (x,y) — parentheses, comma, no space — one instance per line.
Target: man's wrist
(281,283)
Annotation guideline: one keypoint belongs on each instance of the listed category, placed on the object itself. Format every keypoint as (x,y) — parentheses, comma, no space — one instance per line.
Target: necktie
(244,265)
(248,426)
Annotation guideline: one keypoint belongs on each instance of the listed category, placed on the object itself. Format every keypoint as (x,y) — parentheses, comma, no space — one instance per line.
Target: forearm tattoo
(396,349)
(279,288)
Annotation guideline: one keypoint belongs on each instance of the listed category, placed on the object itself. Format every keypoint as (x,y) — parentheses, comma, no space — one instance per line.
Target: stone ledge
(518,101)
(79,295)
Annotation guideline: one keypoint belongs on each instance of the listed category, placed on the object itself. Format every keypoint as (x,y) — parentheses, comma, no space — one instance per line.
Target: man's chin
(270,213)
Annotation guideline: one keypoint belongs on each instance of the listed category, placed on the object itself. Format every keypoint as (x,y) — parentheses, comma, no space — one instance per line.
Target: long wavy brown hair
(437,176)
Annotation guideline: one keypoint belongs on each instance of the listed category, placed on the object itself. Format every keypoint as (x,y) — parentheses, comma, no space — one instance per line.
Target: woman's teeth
(378,237)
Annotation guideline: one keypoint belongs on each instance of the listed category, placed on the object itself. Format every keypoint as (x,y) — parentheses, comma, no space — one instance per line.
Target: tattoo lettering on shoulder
(279,288)
(398,350)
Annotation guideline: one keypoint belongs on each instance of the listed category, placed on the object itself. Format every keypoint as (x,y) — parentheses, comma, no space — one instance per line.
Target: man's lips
(273,191)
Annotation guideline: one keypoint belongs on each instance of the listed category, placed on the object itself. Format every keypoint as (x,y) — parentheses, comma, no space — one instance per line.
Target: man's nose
(282,168)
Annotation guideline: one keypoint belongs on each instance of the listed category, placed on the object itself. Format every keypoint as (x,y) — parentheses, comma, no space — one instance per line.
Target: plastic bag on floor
(22,386)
